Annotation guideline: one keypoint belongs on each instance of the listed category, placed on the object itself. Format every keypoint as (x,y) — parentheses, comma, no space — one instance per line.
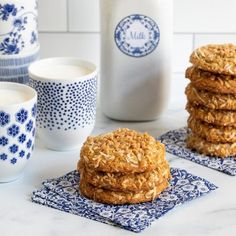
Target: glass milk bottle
(136,46)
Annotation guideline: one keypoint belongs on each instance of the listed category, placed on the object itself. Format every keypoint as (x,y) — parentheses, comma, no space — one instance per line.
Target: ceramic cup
(18,26)
(14,68)
(67,90)
(17,128)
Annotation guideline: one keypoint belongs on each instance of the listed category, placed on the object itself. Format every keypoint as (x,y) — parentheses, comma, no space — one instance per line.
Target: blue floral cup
(18,26)
(17,128)
(66,101)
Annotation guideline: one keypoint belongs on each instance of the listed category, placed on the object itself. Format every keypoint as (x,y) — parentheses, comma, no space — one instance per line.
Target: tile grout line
(68,32)
(205,33)
(98,32)
(67,17)
(193,41)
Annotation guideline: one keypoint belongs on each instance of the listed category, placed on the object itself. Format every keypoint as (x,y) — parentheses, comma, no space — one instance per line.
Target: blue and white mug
(18,26)
(14,68)
(17,128)
(67,92)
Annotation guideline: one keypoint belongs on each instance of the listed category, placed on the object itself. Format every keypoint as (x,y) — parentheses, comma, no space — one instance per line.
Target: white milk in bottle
(136,47)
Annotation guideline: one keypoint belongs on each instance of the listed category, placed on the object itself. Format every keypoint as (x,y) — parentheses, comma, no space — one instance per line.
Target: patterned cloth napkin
(62,193)
(176,145)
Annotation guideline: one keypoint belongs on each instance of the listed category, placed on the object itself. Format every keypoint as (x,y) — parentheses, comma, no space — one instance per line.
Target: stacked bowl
(19,45)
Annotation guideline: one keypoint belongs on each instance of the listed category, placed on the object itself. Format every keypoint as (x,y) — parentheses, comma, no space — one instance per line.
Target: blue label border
(128,53)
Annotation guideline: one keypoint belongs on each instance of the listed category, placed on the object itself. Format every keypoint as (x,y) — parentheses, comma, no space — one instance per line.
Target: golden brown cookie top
(122,150)
(218,58)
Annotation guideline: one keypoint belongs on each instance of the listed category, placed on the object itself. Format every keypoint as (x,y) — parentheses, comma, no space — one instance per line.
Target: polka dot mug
(67,91)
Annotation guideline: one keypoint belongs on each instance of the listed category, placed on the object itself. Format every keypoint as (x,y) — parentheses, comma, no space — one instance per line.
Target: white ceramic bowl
(17,128)
(18,26)
(67,105)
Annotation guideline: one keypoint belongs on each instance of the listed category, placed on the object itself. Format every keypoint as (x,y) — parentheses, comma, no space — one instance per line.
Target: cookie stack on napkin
(123,166)
(211,98)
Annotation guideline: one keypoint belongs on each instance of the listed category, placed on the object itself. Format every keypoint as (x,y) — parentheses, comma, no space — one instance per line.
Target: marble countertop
(214,214)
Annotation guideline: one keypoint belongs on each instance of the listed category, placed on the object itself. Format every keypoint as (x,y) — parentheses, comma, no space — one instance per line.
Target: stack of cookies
(211,98)
(123,167)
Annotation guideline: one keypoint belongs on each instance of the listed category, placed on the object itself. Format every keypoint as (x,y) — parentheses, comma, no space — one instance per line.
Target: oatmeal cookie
(128,182)
(212,133)
(116,197)
(209,99)
(212,82)
(216,117)
(202,146)
(123,151)
(218,58)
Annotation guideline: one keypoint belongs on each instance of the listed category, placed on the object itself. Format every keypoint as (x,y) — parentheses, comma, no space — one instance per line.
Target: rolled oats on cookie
(212,116)
(212,133)
(125,182)
(123,167)
(209,99)
(122,150)
(218,58)
(117,197)
(212,82)
(205,147)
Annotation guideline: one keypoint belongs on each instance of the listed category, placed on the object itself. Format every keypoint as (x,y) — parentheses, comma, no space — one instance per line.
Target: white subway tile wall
(85,46)
(71,27)
(53,15)
(183,46)
(205,16)
(83,15)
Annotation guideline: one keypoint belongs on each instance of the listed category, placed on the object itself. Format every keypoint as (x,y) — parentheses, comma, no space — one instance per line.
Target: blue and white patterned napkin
(175,142)
(62,193)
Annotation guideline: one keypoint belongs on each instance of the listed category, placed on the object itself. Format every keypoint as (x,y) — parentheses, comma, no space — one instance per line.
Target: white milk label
(137,35)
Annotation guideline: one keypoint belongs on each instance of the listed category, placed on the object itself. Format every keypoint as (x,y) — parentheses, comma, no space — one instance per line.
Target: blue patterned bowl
(14,68)
(17,128)
(18,26)
(66,105)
